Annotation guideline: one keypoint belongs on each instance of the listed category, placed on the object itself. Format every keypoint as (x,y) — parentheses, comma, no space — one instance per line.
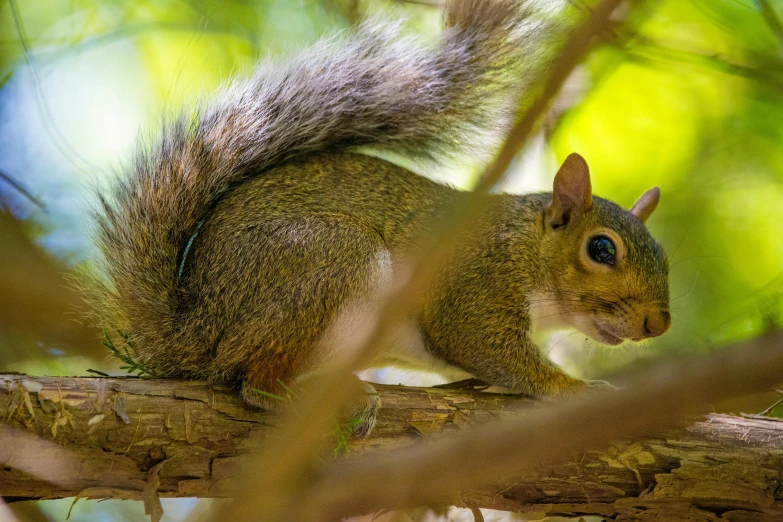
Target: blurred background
(684,94)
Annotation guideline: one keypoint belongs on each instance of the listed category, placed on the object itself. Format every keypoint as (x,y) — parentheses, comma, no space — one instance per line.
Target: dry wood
(122,434)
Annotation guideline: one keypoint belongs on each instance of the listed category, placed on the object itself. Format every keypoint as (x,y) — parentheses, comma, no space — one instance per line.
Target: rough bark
(124,435)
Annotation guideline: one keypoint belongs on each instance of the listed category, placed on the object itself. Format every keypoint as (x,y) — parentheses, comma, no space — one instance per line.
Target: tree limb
(111,437)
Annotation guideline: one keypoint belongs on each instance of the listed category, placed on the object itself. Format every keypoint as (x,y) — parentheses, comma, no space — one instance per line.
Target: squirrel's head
(606,275)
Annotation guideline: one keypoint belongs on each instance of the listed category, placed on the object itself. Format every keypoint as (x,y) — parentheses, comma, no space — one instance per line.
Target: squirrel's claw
(364,412)
(595,385)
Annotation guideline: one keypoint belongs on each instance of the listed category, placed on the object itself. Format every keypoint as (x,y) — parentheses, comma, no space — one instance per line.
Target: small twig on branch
(768,410)
(23,191)
(648,51)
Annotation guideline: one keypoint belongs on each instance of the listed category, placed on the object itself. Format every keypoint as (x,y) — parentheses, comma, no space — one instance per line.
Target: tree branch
(99,438)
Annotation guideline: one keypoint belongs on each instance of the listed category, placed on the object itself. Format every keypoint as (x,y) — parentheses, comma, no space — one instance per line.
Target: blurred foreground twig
(653,398)
(35,298)
(772,19)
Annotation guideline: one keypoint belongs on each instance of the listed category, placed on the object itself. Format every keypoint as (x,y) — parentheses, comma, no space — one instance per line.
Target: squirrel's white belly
(406,351)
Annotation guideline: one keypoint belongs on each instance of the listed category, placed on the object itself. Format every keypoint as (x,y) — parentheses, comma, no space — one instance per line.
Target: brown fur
(236,239)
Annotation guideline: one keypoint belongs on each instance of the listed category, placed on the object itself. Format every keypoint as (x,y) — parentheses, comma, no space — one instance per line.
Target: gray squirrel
(236,238)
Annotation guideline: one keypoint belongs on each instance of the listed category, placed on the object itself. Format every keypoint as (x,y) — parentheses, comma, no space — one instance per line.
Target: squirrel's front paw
(363,411)
(577,387)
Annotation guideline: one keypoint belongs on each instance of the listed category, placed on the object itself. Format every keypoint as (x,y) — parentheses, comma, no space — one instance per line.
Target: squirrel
(236,238)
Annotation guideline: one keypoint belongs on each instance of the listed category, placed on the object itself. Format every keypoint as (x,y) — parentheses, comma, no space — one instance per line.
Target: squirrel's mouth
(605,336)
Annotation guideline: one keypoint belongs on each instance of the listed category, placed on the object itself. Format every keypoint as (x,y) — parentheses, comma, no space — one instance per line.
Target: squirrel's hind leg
(319,275)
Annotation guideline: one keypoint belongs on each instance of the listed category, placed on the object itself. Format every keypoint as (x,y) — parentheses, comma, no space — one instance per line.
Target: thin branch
(23,191)
(648,51)
(769,409)
(772,19)
(574,51)
(59,140)
(426,3)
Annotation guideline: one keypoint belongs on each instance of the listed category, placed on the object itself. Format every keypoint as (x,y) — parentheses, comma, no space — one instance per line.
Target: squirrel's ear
(645,205)
(571,192)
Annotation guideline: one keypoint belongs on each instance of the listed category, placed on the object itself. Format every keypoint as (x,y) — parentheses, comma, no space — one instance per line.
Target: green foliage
(270,395)
(342,432)
(131,364)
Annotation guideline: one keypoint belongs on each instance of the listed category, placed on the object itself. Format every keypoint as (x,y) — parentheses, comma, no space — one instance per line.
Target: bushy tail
(372,88)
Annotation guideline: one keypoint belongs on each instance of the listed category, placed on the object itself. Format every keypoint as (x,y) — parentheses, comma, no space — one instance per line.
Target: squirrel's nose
(657,323)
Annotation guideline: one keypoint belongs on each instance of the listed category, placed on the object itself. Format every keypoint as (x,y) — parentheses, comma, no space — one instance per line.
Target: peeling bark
(124,435)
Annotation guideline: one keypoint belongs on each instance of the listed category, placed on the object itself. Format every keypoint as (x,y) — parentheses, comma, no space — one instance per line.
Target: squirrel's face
(607,276)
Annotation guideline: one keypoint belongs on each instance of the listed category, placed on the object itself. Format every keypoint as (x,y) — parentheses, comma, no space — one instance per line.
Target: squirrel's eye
(602,250)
